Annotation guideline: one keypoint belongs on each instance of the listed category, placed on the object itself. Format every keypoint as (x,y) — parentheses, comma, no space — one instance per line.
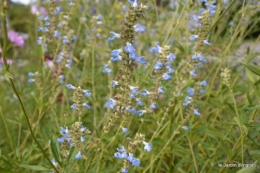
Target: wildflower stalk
(9,76)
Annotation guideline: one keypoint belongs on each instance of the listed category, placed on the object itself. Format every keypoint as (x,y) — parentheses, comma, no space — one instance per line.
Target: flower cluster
(78,96)
(74,137)
(128,155)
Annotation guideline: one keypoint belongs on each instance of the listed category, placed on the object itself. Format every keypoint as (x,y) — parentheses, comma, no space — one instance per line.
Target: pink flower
(9,61)
(41,10)
(15,38)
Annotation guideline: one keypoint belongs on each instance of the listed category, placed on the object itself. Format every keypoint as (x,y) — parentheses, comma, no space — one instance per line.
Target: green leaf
(237,121)
(55,149)
(72,149)
(8,75)
(249,169)
(252,107)
(253,69)
(33,167)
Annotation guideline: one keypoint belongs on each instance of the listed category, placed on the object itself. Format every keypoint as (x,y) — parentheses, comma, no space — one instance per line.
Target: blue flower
(193,37)
(57,10)
(203,83)
(145,92)
(185,127)
(187,101)
(139,101)
(158,65)
(206,42)
(153,106)
(115,35)
(54,162)
(166,76)
(78,156)
(115,55)
(87,93)
(155,49)
(125,130)
(190,91)
(116,52)
(142,60)
(31,80)
(160,90)
(69,86)
(133,3)
(196,112)
(129,48)
(114,83)
(171,57)
(110,103)
(121,154)
(39,41)
(139,28)
(73,106)
(86,105)
(124,170)
(192,73)
(147,146)
(60,140)
(31,74)
(141,112)
(134,161)
(106,69)
(65,40)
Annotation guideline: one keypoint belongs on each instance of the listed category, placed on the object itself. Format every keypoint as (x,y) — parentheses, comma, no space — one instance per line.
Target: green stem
(6,67)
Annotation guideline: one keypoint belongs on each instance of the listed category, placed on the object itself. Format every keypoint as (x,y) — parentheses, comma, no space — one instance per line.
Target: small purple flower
(15,38)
